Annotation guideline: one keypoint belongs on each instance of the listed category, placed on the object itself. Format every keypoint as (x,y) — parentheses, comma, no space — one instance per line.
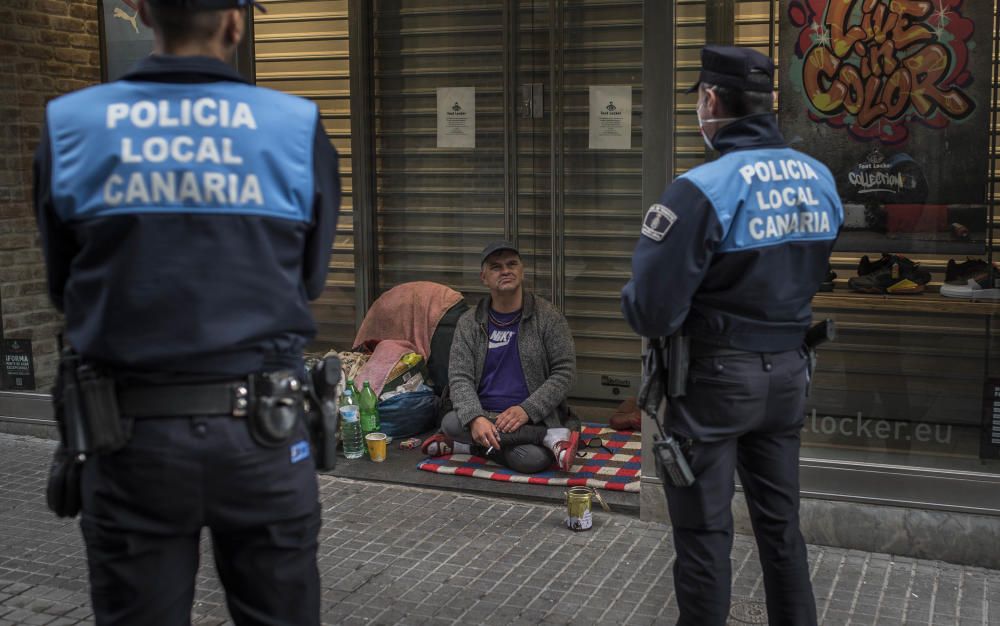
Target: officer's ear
(712,104)
(233,26)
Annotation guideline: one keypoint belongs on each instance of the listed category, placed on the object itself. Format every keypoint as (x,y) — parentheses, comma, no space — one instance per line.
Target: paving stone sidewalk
(404,555)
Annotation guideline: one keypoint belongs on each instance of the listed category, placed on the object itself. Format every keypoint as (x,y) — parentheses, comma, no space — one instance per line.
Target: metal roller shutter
(301,48)
(600,200)
(437,207)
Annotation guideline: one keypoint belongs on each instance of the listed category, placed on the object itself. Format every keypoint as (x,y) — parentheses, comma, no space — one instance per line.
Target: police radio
(671,463)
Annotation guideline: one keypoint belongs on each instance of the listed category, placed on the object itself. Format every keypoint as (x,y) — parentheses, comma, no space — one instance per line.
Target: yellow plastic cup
(376,443)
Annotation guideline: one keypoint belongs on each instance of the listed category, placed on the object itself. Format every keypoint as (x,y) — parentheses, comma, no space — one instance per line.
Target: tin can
(578,516)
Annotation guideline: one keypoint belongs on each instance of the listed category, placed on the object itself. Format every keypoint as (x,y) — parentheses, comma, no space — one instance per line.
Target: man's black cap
(496,246)
(207,5)
(736,68)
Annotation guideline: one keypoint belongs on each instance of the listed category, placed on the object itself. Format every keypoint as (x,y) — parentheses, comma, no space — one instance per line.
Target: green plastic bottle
(368,404)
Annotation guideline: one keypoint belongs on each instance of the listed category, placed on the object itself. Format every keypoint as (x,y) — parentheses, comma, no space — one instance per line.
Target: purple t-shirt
(502,385)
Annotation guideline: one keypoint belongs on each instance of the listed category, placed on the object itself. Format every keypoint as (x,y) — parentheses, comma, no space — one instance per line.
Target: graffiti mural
(892,94)
(873,66)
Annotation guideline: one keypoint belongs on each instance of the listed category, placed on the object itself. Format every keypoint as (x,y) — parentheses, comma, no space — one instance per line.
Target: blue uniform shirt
(736,248)
(187,218)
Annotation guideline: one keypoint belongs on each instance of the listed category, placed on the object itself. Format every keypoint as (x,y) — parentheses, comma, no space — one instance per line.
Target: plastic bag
(409,413)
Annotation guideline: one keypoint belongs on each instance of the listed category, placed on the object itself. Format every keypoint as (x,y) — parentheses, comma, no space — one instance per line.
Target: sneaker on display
(959,273)
(891,274)
(974,279)
(867,266)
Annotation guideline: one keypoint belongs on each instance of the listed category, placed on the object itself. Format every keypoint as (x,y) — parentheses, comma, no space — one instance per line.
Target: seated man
(512,365)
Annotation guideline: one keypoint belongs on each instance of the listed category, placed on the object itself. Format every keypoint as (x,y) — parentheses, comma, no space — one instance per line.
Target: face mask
(713,120)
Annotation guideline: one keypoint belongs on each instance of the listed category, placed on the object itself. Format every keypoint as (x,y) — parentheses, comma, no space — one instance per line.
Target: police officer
(731,256)
(187,217)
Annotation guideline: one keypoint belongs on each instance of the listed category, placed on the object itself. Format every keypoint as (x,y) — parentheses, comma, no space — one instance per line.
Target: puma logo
(131,19)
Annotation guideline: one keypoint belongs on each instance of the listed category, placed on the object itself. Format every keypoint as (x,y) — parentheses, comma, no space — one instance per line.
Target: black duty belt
(226,398)
(701,350)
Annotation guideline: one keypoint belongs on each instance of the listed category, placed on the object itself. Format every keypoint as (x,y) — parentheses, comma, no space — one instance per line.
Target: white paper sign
(610,117)
(456,111)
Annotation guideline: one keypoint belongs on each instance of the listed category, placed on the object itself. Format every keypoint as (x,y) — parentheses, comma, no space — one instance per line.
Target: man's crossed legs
(530,449)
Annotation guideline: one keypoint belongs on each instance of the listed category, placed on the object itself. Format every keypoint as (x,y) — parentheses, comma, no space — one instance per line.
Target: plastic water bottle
(348,397)
(368,403)
(350,432)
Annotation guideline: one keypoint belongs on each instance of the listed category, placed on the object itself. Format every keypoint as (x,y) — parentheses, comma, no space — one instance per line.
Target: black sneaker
(960,273)
(972,280)
(867,267)
(892,274)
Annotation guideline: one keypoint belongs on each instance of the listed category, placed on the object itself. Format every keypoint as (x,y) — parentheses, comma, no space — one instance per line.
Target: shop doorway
(524,74)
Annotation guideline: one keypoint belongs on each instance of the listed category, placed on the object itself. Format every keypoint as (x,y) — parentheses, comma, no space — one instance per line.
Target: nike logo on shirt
(500,338)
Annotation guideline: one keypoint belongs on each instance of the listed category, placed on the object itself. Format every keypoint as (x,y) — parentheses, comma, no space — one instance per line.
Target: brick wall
(47,48)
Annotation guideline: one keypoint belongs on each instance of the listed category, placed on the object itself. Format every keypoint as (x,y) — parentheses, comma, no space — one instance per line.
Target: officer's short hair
(178,24)
(739,103)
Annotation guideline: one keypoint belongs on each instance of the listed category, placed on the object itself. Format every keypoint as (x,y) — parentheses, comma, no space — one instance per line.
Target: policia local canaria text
(166,186)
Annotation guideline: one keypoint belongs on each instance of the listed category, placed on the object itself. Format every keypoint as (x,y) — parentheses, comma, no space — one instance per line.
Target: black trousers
(521,451)
(145,505)
(742,413)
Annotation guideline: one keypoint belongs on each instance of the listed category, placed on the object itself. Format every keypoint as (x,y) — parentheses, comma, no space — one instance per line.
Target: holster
(654,388)
(818,334)
(324,418)
(678,362)
(665,371)
(86,411)
(277,405)
(62,492)
(106,430)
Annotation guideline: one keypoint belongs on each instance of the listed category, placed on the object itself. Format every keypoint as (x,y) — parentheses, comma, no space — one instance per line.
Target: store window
(899,99)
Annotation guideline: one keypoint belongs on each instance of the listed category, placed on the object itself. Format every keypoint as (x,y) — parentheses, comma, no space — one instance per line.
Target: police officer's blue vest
(770,196)
(149,147)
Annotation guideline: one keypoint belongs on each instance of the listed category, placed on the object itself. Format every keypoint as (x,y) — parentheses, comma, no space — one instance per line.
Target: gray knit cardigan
(548,359)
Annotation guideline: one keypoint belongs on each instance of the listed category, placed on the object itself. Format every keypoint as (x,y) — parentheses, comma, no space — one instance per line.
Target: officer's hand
(512,419)
(485,433)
